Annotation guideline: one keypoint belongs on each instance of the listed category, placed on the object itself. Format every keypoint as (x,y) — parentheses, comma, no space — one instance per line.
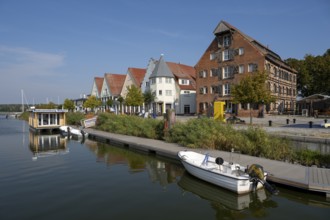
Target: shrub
(74,118)
(131,125)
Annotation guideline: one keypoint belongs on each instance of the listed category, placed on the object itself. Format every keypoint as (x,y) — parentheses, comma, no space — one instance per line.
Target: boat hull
(225,177)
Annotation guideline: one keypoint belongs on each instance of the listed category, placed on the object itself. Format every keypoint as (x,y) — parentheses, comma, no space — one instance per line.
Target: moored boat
(70,131)
(230,176)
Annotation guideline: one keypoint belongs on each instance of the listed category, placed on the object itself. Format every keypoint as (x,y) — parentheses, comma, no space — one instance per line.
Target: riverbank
(312,179)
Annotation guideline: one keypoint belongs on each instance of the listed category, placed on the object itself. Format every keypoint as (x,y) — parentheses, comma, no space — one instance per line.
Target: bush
(131,125)
(74,118)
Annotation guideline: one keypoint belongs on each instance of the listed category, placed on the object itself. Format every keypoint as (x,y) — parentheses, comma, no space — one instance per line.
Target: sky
(52,49)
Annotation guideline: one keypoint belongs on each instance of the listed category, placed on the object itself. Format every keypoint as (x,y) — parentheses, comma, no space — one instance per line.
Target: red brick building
(231,55)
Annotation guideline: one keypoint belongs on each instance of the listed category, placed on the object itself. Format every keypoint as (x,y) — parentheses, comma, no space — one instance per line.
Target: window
(160,92)
(227,89)
(153,80)
(226,72)
(186,92)
(212,56)
(226,40)
(240,51)
(203,90)
(214,89)
(225,55)
(241,69)
(202,74)
(214,72)
(168,80)
(168,92)
(252,67)
(184,82)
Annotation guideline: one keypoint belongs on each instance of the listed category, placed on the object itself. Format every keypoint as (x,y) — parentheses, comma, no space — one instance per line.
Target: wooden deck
(312,179)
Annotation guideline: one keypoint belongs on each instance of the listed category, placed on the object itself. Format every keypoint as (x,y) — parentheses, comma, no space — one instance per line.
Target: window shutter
(220,41)
(235,69)
(220,73)
(236,52)
(231,54)
(220,89)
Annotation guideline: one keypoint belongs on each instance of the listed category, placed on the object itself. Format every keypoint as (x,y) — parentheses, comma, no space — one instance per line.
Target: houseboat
(47,119)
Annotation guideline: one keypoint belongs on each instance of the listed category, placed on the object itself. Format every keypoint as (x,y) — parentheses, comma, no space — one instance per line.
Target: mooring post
(69,132)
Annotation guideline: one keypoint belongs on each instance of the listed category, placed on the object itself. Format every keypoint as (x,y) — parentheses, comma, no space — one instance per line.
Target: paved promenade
(307,178)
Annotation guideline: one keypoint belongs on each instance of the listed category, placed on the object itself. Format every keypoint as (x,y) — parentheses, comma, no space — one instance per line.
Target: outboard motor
(256,173)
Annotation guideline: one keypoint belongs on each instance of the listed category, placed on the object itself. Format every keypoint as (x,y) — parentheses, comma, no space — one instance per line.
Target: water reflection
(158,170)
(45,145)
(227,203)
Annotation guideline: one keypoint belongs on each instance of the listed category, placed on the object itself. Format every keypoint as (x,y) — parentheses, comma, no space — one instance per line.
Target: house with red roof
(97,87)
(111,87)
(173,85)
(134,76)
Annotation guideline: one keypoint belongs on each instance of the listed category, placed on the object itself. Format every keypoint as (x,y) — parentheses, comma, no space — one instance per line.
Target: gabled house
(233,54)
(134,77)
(97,87)
(173,85)
(185,78)
(111,87)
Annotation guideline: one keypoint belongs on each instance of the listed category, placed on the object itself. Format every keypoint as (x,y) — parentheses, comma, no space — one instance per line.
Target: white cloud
(18,61)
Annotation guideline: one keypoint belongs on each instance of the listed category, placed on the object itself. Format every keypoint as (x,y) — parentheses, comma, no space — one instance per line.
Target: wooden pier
(311,179)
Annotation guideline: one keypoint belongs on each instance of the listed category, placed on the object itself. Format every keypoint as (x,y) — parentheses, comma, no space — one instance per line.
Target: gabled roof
(137,75)
(98,82)
(224,26)
(115,82)
(182,71)
(161,69)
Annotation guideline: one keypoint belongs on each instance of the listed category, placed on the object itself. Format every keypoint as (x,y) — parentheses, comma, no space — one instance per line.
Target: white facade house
(173,85)
(162,84)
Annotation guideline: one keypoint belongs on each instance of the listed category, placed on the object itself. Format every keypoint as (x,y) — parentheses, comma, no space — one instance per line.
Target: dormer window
(226,40)
(184,82)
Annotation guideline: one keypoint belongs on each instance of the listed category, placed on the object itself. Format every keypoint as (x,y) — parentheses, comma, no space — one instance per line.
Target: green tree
(149,97)
(134,96)
(68,104)
(49,105)
(92,102)
(120,99)
(252,89)
(313,74)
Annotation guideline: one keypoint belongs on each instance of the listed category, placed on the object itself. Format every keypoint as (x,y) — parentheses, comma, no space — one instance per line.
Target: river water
(48,177)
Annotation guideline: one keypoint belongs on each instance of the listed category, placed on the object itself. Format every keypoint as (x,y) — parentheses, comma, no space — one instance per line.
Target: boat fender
(219,160)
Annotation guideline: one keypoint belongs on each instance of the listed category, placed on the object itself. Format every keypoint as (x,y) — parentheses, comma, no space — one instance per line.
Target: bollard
(69,132)
(294,121)
(287,121)
(270,123)
(310,124)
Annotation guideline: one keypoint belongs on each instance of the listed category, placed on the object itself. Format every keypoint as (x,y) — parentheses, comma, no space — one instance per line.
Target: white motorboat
(230,176)
(65,130)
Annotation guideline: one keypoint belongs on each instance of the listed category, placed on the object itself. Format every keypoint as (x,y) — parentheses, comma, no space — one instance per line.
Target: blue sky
(52,50)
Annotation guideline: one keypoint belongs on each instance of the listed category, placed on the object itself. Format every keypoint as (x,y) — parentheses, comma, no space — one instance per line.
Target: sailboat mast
(22,101)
